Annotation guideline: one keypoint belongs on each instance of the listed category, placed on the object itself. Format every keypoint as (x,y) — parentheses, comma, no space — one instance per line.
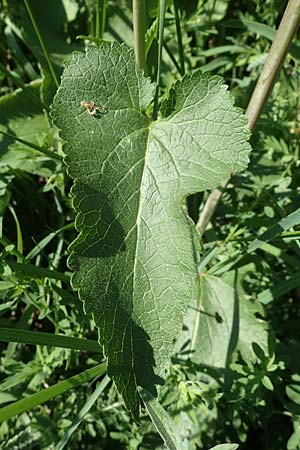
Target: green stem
(278,51)
(19,234)
(40,39)
(90,18)
(45,395)
(48,339)
(161,19)
(97,20)
(103,18)
(138,10)
(179,37)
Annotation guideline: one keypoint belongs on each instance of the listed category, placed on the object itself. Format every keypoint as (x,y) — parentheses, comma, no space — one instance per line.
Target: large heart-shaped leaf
(135,259)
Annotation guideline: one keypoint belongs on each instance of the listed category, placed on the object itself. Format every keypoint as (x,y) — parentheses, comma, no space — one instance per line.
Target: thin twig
(278,51)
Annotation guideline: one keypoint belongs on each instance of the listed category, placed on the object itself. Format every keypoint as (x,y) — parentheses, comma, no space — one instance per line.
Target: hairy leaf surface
(134,258)
(221,322)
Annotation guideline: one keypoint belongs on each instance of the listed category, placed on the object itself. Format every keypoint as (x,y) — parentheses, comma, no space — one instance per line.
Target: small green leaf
(161,420)
(135,258)
(267,383)
(225,447)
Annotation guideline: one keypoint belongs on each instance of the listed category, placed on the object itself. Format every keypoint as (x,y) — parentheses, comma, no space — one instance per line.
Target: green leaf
(82,413)
(161,420)
(135,259)
(23,118)
(279,289)
(284,224)
(225,447)
(7,412)
(53,340)
(221,322)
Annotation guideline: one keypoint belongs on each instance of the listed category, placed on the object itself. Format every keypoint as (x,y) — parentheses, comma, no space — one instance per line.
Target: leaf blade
(134,258)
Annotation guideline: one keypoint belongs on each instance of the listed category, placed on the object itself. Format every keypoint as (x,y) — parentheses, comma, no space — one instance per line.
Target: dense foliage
(235,369)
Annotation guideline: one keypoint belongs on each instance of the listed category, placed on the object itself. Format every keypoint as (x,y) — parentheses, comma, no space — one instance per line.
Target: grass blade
(40,39)
(19,233)
(276,291)
(29,270)
(51,340)
(45,395)
(82,413)
(284,224)
(43,150)
(47,239)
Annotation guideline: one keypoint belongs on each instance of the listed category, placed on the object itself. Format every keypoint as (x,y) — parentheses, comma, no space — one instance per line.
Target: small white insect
(92,108)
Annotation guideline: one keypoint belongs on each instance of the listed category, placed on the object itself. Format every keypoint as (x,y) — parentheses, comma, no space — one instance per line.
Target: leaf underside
(222,322)
(134,259)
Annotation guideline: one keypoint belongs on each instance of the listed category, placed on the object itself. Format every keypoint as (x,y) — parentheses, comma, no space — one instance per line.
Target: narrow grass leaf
(29,270)
(45,395)
(51,340)
(19,233)
(82,413)
(45,151)
(284,224)
(41,41)
(276,291)
(46,240)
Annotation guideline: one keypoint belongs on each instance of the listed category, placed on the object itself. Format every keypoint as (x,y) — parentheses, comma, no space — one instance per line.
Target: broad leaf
(221,322)
(135,259)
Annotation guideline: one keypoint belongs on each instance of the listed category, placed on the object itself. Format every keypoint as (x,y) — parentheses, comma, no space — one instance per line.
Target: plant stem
(161,19)
(179,37)
(278,51)
(103,17)
(139,12)
(283,38)
(21,85)
(40,39)
(97,20)
(90,18)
